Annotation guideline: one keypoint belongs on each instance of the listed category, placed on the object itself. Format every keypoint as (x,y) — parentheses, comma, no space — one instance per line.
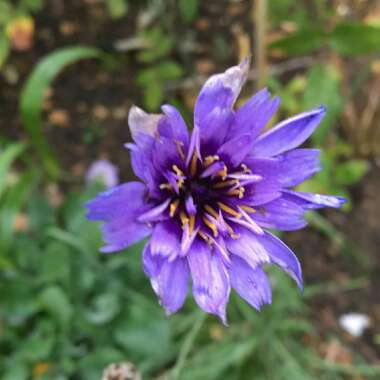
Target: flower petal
(169,279)
(151,264)
(298,165)
(173,284)
(248,248)
(262,192)
(141,160)
(281,255)
(235,150)
(281,214)
(265,167)
(165,239)
(141,122)
(121,227)
(315,201)
(289,134)
(165,154)
(253,115)
(215,127)
(194,146)
(173,126)
(220,90)
(211,287)
(250,283)
(155,213)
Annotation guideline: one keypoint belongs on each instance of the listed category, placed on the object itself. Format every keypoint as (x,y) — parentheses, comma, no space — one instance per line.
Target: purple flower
(207,198)
(104,172)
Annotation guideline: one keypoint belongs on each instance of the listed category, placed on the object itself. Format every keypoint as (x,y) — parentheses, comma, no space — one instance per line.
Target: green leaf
(105,307)
(345,39)
(350,172)
(302,42)
(54,263)
(168,70)
(56,302)
(135,333)
(32,96)
(355,38)
(32,5)
(117,8)
(159,45)
(5,12)
(188,9)
(153,96)
(323,87)
(7,156)
(13,201)
(17,301)
(17,372)
(37,345)
(95,361)
(4,48)
(40,213)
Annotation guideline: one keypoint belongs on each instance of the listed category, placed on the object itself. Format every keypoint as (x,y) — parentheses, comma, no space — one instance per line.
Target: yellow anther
(229,210)
(210,160)
(193,165)
(220,185)
(211,211)
(179,145)
(222,173)
(191,223)
(247,208)
(232,233)
(180,183)
(239,192)
(184,218)
(205,237)
(211,226)
(173,207)
(245,168)
(166,186)
(177,170)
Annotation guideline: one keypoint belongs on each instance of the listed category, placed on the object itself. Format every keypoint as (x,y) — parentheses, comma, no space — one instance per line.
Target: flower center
(206,198)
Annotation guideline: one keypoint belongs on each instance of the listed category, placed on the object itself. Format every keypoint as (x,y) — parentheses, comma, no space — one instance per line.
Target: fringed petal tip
(223,318)
(141,122)
(340,201)
(110,248)
(245,63)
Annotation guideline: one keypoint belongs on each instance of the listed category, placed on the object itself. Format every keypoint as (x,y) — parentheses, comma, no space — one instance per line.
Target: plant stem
(187,346)
(260,17)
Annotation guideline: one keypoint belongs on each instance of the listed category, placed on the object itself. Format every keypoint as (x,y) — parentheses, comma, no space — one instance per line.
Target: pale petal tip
(341,201)
(335,201)
(221,314)
(245,63)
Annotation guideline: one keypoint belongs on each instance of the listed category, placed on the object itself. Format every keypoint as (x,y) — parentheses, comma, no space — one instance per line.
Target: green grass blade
(33,93)
(7,156)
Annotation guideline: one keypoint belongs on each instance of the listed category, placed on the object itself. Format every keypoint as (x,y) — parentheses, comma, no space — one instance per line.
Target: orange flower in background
(40,369)
(20,32)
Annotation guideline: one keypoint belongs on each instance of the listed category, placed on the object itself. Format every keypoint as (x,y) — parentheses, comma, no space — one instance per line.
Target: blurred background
(69,71)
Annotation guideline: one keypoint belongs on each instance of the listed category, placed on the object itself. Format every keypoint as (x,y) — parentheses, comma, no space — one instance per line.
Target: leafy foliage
(346,39)
(117,8)
(32,96)
(160,69)
(68,311)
